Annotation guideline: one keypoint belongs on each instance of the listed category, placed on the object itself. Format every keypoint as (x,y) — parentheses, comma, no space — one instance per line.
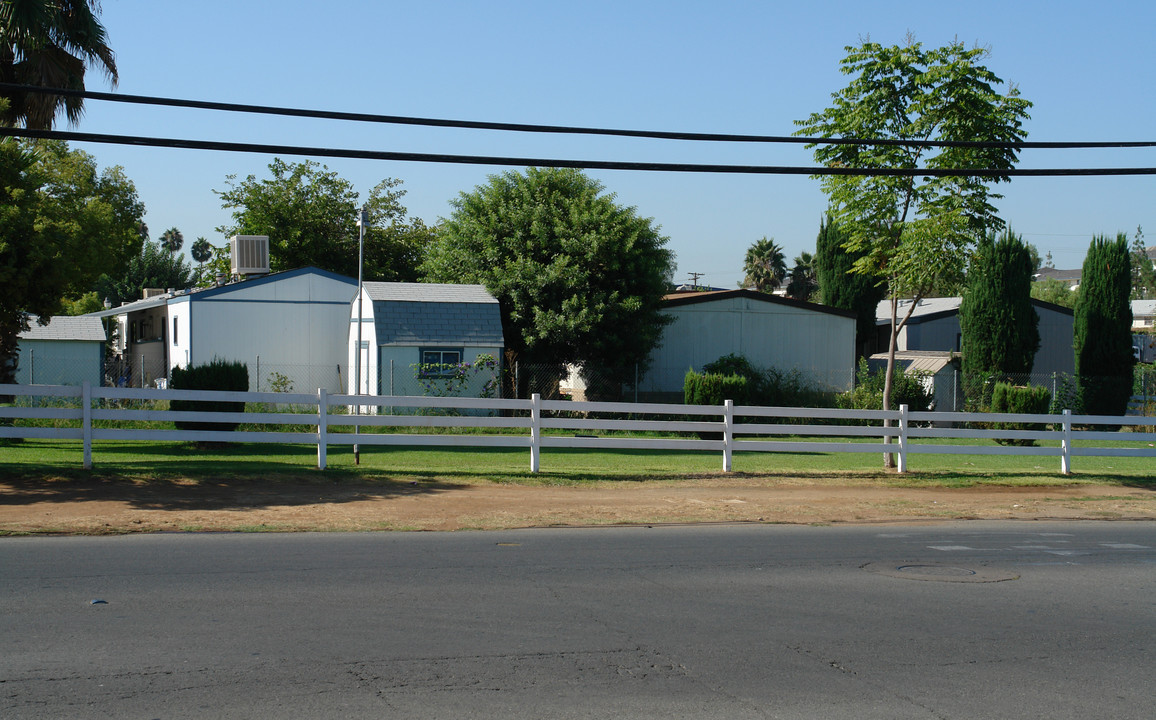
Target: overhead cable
(267,149)
(558,129)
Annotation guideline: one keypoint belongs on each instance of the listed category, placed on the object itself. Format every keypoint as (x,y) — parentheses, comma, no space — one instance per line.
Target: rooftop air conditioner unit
(249,254)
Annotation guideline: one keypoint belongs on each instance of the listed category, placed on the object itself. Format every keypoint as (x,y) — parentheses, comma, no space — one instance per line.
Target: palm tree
(765,266)
(802,283)
(202,250)
(172,240)
(49,43)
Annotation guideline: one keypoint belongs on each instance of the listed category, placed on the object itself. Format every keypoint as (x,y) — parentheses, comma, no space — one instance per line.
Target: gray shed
(66,351)
(422,338)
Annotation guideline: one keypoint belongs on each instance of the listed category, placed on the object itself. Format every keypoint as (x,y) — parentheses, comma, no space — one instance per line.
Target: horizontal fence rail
(94,414)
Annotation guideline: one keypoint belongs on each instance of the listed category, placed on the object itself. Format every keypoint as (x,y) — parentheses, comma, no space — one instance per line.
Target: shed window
(440,362)
(175,332)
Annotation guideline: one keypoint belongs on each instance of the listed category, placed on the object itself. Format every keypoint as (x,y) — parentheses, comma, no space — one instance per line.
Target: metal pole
(362,219)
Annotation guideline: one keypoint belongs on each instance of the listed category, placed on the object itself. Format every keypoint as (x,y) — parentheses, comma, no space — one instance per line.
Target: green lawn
(145,461)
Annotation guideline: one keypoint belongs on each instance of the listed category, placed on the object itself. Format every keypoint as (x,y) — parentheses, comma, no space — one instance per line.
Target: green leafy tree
(765,266)
(580,279)
(154,267)
(310,215)
(1143,269)
(1103,327)
(915,231)
(1000,326)
(801,282)
(62,223)
(49,43)
(841,287)
(172,240)
(1056,292)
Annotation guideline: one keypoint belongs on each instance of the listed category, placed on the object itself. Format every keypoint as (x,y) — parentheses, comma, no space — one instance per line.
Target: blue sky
(733,67)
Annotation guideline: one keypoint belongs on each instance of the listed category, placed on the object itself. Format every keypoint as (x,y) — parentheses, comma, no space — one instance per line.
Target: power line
(266,149)
(556,129)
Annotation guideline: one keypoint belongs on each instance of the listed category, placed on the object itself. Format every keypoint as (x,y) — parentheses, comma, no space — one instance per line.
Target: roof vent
(249,254)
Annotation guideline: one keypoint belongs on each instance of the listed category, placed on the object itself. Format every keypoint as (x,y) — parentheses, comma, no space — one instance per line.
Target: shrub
(1008,398)
(906,389)
(215,375)
(714,389)
(771,386)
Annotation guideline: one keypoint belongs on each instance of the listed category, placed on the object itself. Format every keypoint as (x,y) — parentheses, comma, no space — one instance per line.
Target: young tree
(765,266)
(61,225)
(49,43)
(1056,292)
(155,267)
(999,325)
(841,287)
(1103,329)
(580,278)
(801,282)
(310,216)
(915,230)
(1143,269)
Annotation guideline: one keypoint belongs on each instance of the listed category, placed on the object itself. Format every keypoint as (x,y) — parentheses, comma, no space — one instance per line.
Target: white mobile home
(290,328)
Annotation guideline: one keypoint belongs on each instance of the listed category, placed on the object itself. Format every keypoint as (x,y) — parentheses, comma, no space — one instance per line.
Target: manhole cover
(940,573)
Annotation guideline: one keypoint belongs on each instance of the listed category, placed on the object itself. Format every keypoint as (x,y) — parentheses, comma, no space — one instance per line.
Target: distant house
(66,351)
(414,335)
(1071,278)
(934,326)
(1144,329)
(770,331)
(289,328)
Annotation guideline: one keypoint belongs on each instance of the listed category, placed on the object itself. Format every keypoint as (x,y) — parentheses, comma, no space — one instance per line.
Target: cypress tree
(1103,330)
(1000,327)
(843,289)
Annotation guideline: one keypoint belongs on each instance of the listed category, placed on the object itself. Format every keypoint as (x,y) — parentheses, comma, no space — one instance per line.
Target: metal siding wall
(768,335)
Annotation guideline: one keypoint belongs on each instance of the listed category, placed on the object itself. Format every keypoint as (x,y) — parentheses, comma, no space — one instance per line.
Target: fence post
(322,428)
(86,421)
(1066,445)
(535,432)
(902,439)
(728,432)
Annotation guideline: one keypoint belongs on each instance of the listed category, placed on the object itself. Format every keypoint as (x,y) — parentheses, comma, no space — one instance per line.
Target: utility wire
(554,162)
(557,129)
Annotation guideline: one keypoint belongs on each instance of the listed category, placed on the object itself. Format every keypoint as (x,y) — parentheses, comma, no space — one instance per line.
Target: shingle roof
(428,314)
(428,292)
(62,327)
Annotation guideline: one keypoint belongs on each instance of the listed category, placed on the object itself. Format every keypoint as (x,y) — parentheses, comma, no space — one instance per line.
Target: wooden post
(322,428)
(728,432)
(535,432)
(1066,445)
(86,421)
(902,439)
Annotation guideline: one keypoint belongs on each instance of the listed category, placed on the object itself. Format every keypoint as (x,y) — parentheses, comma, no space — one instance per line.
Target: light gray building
(416,336)
(768,330)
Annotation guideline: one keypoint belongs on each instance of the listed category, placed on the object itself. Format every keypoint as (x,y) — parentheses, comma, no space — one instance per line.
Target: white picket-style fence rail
(893,430)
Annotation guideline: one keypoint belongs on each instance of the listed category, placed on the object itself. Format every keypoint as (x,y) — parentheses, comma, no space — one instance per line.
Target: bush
(215,375)
(771,387)
(906,389)
(714,388)
(1008,398)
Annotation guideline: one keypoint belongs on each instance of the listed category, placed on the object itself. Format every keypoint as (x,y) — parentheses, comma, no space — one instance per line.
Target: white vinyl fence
(91,414)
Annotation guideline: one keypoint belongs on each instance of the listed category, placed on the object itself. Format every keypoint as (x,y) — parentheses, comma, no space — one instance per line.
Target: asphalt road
(964,620)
